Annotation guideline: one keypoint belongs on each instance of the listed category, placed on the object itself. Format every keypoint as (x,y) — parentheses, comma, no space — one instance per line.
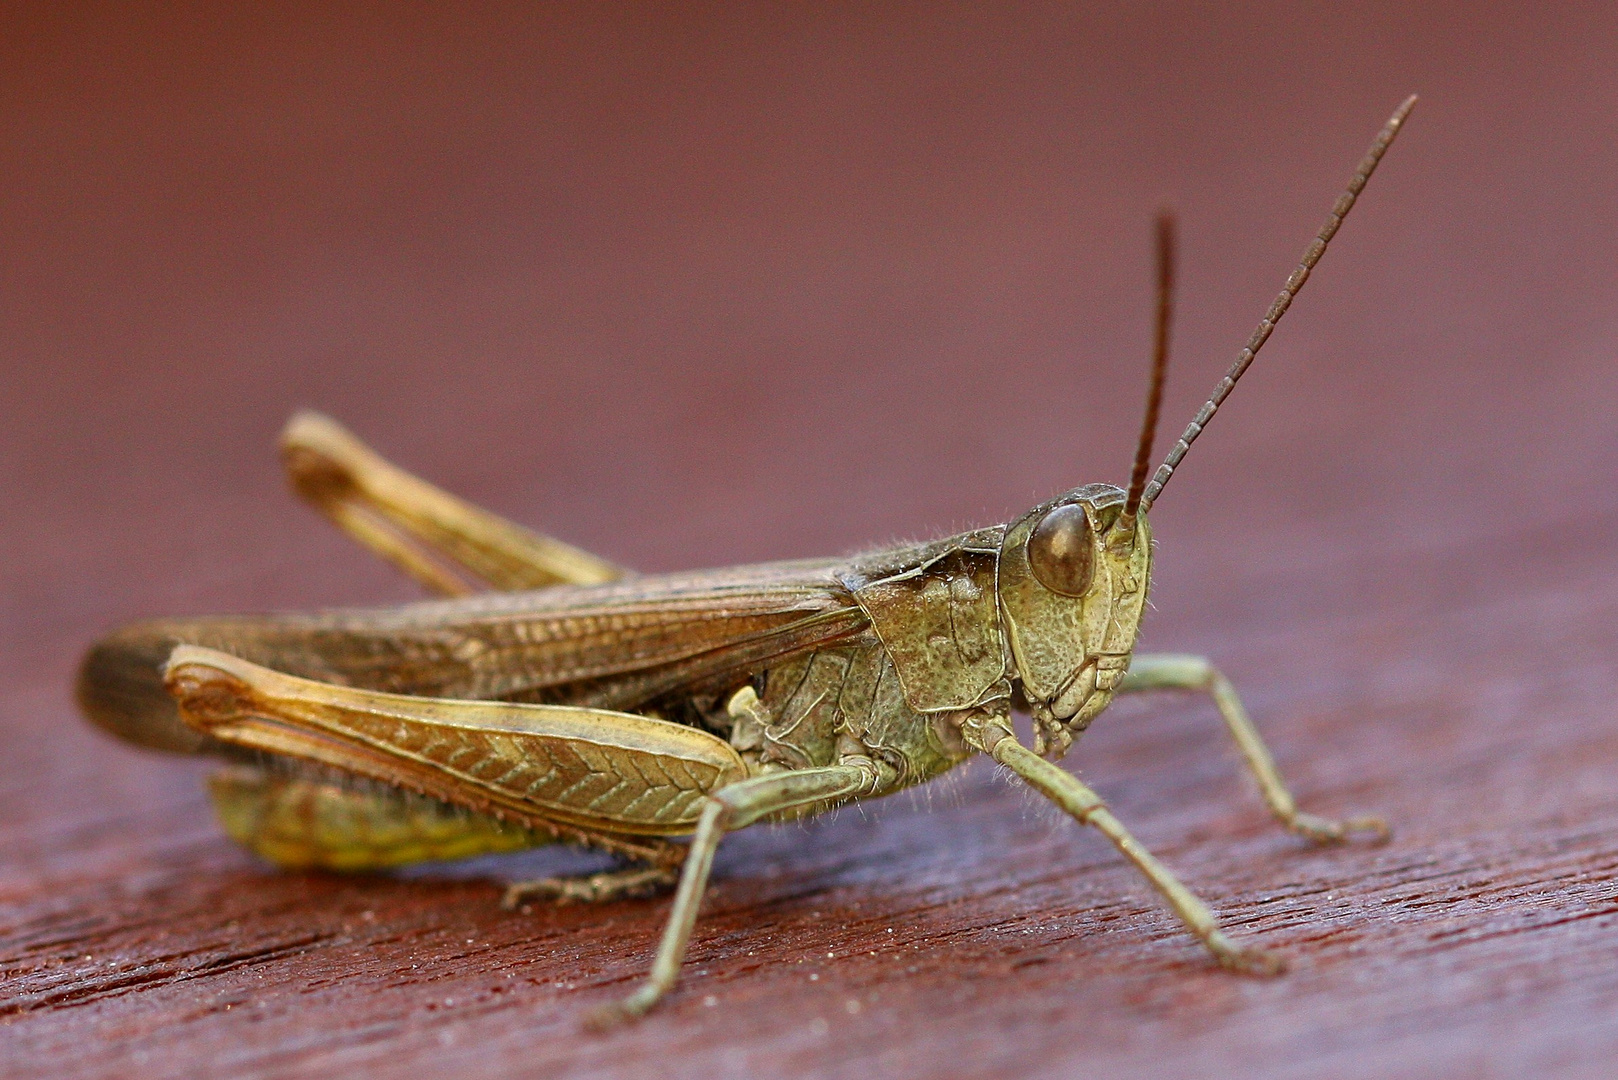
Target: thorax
(934,654)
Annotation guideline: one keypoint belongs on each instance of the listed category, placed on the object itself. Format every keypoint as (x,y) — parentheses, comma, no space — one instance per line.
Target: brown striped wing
(613,646)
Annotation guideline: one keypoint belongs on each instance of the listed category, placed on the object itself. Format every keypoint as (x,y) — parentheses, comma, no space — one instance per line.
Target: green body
(580,702)
(884,656)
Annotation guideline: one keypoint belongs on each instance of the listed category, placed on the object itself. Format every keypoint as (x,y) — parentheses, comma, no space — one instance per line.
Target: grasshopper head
(1072,585)
(1074,571)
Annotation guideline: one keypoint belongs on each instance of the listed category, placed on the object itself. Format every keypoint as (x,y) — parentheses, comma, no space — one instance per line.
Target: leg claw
(604,1019)
(591,888)
(622,1012)
(1244,959)
(1326,831)
(1251,960)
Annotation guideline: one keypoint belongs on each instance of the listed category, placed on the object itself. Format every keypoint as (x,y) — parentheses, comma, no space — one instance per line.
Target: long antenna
(1311,256)
(1160,366)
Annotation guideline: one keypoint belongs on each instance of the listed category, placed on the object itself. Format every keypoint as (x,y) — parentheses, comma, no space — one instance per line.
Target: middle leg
(731,808)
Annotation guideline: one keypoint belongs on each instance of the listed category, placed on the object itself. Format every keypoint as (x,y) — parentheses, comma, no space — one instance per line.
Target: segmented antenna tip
(1166,251)
(1295,283)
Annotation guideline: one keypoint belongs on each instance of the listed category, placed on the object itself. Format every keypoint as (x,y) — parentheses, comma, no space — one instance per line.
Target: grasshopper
(572,700)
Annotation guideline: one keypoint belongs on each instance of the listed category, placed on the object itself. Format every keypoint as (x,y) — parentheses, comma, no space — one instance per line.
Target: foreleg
(1085,806)
(1174,672)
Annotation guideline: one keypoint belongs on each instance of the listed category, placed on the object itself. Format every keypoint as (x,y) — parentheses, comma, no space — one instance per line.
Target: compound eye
(1061,551)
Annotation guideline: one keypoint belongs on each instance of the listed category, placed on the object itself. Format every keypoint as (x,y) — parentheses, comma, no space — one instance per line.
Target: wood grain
(691,287)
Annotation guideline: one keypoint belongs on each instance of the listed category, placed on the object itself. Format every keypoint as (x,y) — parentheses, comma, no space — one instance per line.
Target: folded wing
(617,646)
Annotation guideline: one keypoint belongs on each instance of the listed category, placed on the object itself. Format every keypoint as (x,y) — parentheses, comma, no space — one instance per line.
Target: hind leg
(307,823)
(602,888)
(447,544)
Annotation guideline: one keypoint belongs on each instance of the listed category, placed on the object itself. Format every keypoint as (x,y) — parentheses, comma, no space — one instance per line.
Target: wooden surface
(708,287)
